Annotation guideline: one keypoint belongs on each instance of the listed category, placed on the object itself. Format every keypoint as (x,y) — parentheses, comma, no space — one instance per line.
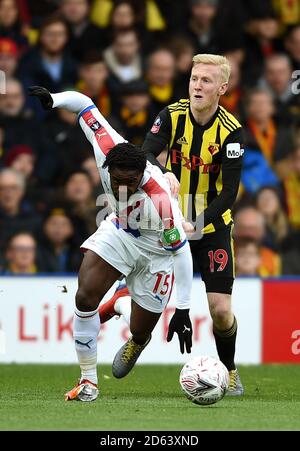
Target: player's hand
(181,324)
(189,229)
(43,94)
(191,232)
(173,183)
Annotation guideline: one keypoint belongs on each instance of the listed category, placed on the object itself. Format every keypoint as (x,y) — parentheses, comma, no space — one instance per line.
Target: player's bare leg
(96,277)
(225,331)
(142,323)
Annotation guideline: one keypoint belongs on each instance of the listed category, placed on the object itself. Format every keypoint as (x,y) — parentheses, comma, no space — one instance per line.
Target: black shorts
(213,258)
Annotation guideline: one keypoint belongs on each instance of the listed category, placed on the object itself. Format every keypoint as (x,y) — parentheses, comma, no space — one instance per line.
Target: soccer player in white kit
(142,239)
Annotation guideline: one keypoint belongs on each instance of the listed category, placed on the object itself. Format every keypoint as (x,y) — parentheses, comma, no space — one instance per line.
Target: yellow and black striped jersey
(206,159)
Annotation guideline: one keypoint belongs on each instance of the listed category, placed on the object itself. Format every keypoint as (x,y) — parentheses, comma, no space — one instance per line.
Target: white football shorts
(149,276)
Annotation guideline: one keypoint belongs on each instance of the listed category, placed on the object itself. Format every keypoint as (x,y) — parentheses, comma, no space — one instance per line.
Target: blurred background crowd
(133,58)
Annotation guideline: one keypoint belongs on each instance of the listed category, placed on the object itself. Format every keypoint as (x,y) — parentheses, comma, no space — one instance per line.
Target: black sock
(225,343)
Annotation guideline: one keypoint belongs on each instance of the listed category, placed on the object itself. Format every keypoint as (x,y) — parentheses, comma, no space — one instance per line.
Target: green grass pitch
(31,398)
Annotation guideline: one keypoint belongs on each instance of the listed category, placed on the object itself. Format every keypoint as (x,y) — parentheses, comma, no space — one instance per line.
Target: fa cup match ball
(204,380)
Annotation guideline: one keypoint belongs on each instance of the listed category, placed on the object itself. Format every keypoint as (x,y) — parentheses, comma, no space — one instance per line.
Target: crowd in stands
(133,57)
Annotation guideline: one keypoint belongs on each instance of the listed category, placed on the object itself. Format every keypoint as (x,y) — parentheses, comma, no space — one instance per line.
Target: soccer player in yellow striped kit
(204,144)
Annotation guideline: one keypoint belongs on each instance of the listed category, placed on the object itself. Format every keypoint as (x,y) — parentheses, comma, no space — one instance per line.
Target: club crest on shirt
(213,148)
(95,126)
(156,125)
(91,121)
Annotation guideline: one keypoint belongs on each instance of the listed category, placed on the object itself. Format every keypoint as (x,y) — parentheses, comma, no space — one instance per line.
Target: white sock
(123,307)
(86,328)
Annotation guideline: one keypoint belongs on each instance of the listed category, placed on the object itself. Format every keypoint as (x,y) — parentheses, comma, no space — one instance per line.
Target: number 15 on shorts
(164,284)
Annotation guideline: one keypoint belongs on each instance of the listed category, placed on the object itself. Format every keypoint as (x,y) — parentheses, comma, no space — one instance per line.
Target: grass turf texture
(31,398)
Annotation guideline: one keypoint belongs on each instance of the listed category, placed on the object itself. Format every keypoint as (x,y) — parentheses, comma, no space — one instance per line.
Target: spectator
(123,58)
(122,16)
(269,203)
(183,50)
(78,191)
(292,45)
(250,223)
(10,24)
(84,34)
(49,63)
(201,27)
(12,103)
(21,159)
(160,74)
(279,234)
(247,257)
(261,132)
(59,251)
(19,124)
(93,75)
(21,254)
(88,164)
(126,14)
(261,41)
(136,112)
(232,99)
(278,80)
(15,213)
(292,190)
(9,56)
(147,12)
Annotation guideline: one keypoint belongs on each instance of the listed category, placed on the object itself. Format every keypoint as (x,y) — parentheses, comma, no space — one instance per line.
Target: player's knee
(86,301)
(221,313)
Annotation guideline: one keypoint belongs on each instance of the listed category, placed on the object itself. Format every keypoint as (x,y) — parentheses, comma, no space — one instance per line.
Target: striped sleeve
(172,234)
(99,132)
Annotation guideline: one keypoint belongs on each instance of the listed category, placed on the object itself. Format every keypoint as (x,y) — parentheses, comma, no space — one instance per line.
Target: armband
(171,236)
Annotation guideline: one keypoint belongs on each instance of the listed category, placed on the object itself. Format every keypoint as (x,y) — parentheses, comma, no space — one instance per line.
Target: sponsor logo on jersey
(182,140)
(192,163)
(234,150)
(156,125)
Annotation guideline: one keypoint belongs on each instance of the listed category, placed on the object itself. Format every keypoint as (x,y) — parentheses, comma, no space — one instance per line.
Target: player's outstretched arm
(96,128)
(70,100)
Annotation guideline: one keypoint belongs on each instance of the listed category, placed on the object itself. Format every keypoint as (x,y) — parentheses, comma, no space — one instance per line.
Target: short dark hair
(92,57)
(126,156)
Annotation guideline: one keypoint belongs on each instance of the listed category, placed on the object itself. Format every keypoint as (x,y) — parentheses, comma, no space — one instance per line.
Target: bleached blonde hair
(216,60)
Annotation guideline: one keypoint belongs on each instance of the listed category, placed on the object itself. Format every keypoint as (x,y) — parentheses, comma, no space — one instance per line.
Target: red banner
(281,322)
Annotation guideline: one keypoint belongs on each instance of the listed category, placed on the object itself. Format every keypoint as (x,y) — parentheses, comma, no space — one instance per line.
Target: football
(204,380)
